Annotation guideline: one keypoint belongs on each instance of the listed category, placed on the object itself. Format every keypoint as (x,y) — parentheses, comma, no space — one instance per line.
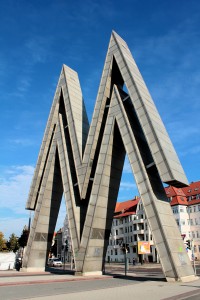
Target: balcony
(139,220)
(139,231)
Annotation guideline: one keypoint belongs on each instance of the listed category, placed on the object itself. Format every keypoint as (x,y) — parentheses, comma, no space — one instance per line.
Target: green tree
(24,237)
(12,243)
(2,242)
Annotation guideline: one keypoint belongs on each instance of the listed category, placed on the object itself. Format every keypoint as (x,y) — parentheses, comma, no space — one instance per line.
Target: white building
(129,227)
(185,205)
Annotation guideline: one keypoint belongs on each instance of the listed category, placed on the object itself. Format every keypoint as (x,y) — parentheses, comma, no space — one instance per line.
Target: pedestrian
(18,264)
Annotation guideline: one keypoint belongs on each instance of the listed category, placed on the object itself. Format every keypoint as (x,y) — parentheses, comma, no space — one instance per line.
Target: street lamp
(190,243)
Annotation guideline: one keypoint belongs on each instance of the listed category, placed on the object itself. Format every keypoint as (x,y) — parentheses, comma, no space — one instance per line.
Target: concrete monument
(85,163)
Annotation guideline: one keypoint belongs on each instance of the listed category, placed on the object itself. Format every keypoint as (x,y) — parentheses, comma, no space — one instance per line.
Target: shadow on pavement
(60,271)
(136,278)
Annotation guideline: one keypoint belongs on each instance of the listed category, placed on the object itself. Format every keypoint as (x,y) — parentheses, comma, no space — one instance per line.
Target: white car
(55,262)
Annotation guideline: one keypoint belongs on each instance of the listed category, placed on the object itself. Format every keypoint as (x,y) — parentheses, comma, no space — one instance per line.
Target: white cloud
(38,49)
(14,187)
(15,183)
(127,186)
(13,225)
(25,142)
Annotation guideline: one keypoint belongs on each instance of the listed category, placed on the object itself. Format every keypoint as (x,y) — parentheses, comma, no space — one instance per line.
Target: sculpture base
(93,273)
(183,279)
(33,270)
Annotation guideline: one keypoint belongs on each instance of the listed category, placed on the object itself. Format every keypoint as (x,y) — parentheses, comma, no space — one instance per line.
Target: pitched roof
(126,208)
(125,214)
(192,189)
(179,200)
(173,191)
(179,196)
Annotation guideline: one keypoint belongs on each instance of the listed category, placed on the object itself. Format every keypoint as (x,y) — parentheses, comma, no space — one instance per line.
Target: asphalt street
(141,282)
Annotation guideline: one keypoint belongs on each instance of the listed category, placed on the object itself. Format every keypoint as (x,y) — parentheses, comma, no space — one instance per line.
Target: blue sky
(37,37)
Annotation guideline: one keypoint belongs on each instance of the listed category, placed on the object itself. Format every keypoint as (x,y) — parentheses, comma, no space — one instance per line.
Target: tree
(12,243)
(2,242)
(24,237)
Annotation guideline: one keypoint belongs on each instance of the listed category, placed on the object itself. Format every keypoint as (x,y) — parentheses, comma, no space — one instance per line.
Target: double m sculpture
(85,164)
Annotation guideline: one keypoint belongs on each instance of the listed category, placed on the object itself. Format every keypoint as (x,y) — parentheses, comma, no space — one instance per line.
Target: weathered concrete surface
(85,163)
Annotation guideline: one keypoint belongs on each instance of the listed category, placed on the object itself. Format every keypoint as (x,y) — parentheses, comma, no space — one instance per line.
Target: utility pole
(125,249)
(193,256)
(192,244)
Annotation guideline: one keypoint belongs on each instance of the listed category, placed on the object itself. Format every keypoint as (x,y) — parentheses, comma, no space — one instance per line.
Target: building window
(115,251)
(116,222)
(177,221)
(195,248)
(111,252)
(197,234)
(194,208)
(196,221)
(130,228)
(175,210)
(116,232)
(191,222)
(198,207)
(193,234)
(151,237)
(199,248)
(182,222)
(147,237)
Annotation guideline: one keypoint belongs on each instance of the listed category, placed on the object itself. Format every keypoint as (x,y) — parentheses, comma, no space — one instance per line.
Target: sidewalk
(11,278)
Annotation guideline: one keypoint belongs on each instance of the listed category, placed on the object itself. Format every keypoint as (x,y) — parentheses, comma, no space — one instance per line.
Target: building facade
(130,226)
(185,203)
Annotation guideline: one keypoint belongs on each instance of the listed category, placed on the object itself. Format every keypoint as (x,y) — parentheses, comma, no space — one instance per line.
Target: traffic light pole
(125,262)
(64,259)
(193,257)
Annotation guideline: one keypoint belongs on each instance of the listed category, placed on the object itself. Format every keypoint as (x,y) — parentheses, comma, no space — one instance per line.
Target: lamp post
(192,243)
(125,249)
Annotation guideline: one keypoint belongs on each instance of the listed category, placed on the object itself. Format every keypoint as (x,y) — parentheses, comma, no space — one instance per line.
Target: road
(141,282)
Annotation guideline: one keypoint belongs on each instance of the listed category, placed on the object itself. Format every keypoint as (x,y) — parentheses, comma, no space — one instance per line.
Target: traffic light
(66,245)
(127,248)
(188,244)
(123,247)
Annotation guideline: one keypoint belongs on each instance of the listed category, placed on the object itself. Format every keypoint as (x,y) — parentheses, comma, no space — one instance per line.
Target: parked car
(55,262)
